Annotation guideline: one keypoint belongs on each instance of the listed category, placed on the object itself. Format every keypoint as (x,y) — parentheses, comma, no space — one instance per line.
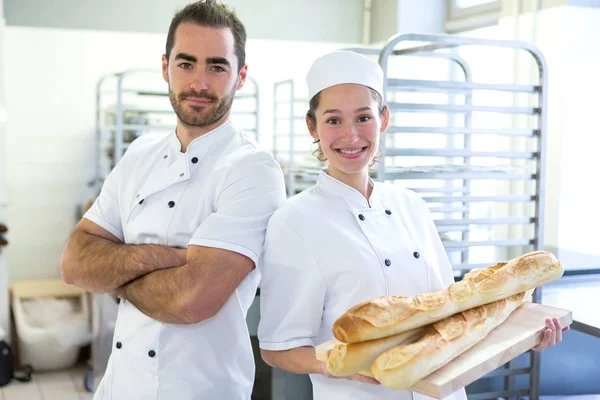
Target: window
(472,3)
(467,8)
(465,15)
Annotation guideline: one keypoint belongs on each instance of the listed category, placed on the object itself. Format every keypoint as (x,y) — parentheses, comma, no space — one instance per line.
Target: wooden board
(519,333)
(44,288)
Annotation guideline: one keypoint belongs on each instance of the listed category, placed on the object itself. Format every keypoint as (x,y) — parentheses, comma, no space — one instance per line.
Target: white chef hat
(343,67)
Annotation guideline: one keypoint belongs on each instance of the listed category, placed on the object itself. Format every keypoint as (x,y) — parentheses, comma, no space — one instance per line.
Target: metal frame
(585,328)
(397,85)
(466,172)
(299,166)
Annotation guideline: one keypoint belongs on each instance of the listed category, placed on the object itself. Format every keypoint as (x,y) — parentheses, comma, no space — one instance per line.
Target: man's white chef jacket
(220,193)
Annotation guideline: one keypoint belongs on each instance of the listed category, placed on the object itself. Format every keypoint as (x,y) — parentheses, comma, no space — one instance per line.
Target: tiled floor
(59,385)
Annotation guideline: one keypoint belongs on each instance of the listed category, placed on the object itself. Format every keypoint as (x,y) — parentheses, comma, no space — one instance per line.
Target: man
(179,226)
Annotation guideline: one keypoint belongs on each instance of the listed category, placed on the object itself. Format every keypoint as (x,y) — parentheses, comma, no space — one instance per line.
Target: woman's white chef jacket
(327,250)
(220,193)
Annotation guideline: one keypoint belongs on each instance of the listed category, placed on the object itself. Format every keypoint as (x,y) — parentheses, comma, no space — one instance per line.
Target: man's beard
(201,116)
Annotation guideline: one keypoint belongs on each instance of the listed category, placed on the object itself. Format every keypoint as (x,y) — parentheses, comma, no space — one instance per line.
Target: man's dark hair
(210,13)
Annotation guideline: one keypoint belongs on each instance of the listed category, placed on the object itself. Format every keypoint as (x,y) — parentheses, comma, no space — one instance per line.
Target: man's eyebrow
(218,60)
(187,57)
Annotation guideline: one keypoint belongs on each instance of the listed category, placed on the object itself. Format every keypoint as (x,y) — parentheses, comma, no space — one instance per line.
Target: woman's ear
(311,128)
(385,119)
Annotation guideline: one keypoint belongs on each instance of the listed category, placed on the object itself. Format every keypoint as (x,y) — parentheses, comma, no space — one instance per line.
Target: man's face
(202,73)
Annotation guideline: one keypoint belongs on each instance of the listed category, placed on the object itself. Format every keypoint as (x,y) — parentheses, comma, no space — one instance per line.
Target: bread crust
(343,359)
(404,365)
(391,315)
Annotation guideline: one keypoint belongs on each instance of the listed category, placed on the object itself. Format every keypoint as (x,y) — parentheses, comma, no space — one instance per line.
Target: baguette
(405,365)
(390,315)
(342,359)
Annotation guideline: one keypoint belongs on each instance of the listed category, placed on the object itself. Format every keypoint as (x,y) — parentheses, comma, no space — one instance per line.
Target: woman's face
(348,127)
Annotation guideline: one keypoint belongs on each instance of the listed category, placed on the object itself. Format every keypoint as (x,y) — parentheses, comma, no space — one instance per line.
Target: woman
(347,239)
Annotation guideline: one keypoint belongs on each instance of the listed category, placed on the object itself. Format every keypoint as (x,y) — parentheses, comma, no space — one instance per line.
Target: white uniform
(220,193)
(327,250)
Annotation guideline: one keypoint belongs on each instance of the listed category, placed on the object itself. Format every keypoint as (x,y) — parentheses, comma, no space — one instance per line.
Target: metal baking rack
(474,148)
(292,143)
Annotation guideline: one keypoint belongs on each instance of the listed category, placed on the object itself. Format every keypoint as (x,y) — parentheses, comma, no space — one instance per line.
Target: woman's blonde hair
(310,114)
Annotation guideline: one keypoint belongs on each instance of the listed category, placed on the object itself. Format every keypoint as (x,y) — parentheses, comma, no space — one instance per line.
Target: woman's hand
(355,377)
(552,335)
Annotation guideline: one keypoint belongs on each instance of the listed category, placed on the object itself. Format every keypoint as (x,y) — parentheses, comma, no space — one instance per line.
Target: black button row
(194,159)
(151,353)
(362,217)
(388,262)
(171,204)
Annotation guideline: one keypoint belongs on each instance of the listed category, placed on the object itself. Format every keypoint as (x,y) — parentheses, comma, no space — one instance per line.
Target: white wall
(50,77)
(3,115)
(330,20)
(3,192)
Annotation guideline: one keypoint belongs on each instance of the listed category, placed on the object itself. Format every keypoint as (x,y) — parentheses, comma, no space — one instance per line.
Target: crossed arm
(170,285)
(99,262)
(192,292)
